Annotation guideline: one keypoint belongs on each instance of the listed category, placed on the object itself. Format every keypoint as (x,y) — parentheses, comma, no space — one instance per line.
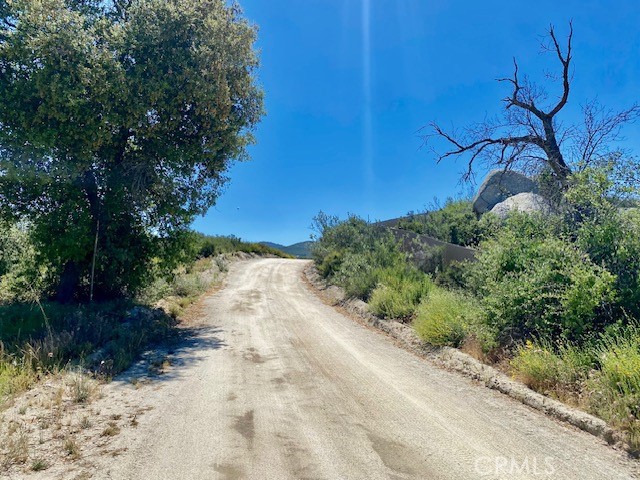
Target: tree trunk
(554,155)
(69,282)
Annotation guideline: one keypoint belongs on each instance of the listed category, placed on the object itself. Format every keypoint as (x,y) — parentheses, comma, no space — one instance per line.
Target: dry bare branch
(529,134)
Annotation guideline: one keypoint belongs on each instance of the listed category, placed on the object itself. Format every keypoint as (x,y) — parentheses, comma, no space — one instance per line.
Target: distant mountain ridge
(300,249)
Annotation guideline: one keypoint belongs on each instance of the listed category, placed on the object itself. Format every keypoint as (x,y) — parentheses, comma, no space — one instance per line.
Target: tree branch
(513,100)
(566,60)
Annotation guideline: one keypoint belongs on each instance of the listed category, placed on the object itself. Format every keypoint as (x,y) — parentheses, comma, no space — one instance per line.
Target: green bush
(358,275)
(399,292)
(432,258)
(188,285)
(537,366)
(23,277)
(534,284)
(608,232)
(454,223)
(353,253)
(614,389)
(330,264)
(444,317)
(560,369)
(353,235)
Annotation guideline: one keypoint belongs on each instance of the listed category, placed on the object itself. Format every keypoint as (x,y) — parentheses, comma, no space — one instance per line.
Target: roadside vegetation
(39,336)
(454,222)
(210,246)
(553,299)
(79,345)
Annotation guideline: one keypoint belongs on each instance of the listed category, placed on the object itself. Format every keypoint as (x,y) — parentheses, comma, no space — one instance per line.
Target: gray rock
(523,202)
(500,185)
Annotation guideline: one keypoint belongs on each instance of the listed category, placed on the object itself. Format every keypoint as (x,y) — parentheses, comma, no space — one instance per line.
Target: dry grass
(111,430)
(15,447)
(81,387)
(85,423)
(39,464)
(71,448)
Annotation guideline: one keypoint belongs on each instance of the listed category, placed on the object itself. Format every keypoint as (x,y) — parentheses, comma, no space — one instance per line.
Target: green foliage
(559,369)
(22,277)
(454,223)
(351,235)
(432,261)
(209,246)
(453,276)
(331,264)
(188,286)
(537,366)
(533,283)
(360,272)
(602,376)
(444,317)
(120,119)
(607,232)
(353,253)
(399,292)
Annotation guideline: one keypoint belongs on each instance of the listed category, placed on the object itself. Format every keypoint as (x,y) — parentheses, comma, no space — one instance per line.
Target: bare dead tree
(528,135)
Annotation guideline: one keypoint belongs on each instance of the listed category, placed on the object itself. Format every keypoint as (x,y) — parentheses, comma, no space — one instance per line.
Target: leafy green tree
(118,122)
(22,277)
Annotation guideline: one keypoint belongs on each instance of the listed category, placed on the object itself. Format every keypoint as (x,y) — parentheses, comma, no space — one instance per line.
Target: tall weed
(399,292)
(444,317)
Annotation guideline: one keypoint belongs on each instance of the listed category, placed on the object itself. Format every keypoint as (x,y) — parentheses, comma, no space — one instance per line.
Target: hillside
(300,249)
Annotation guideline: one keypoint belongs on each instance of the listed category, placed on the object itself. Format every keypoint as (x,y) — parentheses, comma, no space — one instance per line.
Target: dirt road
(277,385)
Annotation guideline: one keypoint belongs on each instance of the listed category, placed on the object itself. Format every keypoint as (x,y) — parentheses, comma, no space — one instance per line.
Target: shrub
(537,366)
(614,390)
(431,258)
(607,232)
(330,264)
(546,367)
(353,235)
(533,284)
(453,276)
(23,277)
(353,253)
(399,292)
(444,317)
(188,285)
(357,275)
(454,223)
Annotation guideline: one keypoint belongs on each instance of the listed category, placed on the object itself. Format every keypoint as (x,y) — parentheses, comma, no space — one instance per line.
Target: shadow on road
(167,361)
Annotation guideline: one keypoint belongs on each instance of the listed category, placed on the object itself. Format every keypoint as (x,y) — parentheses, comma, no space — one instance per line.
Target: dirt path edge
(458,361)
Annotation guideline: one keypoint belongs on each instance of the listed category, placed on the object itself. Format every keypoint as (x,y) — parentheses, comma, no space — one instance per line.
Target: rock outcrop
(527,202)
(500,185)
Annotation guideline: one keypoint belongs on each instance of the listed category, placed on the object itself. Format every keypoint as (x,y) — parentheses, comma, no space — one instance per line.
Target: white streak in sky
(367,134)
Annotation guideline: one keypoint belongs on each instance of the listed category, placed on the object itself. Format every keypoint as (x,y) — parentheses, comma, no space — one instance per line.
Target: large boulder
(526,202)
(500,185)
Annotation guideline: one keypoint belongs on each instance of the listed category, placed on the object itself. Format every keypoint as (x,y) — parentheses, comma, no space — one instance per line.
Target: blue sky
(348,84)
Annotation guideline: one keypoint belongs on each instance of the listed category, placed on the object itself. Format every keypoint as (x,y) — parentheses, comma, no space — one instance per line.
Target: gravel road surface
(277,385)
